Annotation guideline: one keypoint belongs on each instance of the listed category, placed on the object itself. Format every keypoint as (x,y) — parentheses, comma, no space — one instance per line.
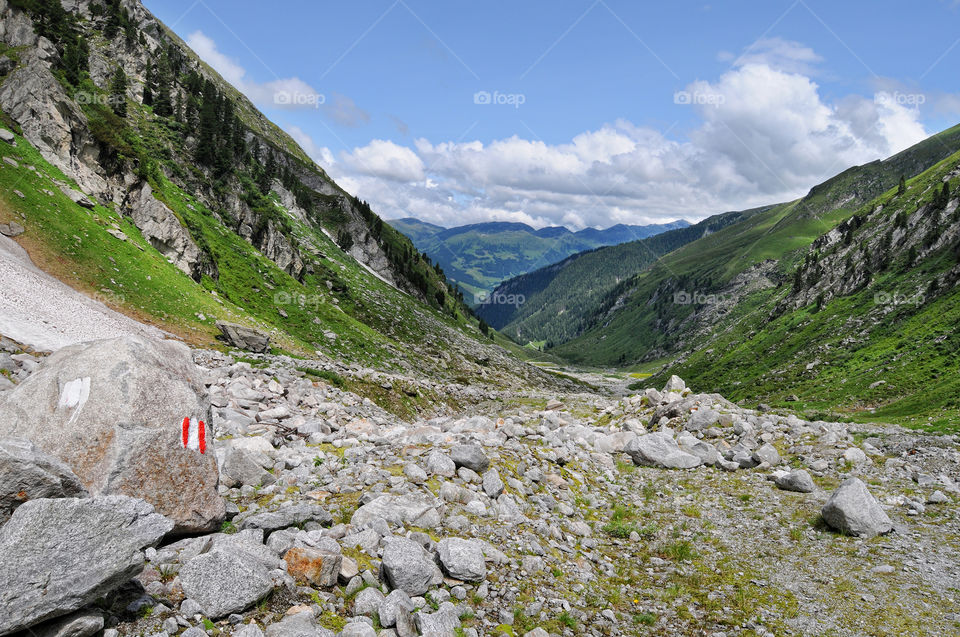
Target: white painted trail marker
(194,435)
(74,395)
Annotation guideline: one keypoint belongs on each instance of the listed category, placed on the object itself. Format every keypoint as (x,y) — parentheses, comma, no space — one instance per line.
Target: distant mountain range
(479,256)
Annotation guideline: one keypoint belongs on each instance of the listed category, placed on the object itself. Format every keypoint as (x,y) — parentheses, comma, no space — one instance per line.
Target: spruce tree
(903,186)
(118,92)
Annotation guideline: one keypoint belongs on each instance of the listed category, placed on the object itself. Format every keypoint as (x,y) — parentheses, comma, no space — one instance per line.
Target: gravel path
(38,310)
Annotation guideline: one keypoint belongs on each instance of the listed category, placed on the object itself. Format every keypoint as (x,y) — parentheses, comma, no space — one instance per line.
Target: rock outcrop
(27,474)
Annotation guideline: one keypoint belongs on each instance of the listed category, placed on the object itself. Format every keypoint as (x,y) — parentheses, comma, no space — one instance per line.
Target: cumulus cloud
(284,93)
(766,135)
(777,53)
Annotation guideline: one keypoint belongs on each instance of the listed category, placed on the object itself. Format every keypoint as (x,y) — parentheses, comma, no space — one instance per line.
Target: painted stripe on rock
(193,435)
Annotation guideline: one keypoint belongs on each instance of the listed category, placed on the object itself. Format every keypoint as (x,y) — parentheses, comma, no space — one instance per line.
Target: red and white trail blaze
(194,435)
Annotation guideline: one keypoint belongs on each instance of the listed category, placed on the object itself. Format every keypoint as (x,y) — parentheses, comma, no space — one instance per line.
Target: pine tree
(162,98)
(118,92)
(148,81)
(903,186)
(76,55)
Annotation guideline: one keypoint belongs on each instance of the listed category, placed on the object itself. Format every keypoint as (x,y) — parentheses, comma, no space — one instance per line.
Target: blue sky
(585,113)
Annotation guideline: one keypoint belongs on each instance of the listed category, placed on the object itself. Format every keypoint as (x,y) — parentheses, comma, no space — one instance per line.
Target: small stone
(470,456)
(797,480)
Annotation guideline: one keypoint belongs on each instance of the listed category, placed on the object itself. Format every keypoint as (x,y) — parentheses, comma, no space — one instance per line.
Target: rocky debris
(659,449)
(243,337)
(797,480)
(470,456)
(113,411)
(240,467)
(407,567)
(286,517)
(58,555)
(77,197)
(223,583)
(853,510)
(161,228)
(28,474)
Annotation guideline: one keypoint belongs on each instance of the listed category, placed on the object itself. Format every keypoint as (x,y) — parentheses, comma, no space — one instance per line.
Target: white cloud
(319,154)
(780,54)
(769,139)
(344,111)
(285,93)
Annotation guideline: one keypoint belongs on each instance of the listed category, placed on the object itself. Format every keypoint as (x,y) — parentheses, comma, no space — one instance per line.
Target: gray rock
(57,556)
(286,517)
(319,567)
(224,583)
(358,629)
(161,228)
(767,453)
(438,463)
(441,623)
(394,604)
(702,418)
(239,468)
(80,624)
(298,625)
(26,473)
(853,510)
(190,608)
(243,337)
(6,135)
(406,566)
(492,484)
(707,453)
(675,384)
(405,509)
(247,630)
(77,197)
(367,602)
(660,450)
(113,410)
(938,497)
(462,559)
(12,229)
(797,480)
(470,456)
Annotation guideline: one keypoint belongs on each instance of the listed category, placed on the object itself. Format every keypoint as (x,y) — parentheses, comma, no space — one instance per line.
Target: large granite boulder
(26,474)
(243,337)
(125,415)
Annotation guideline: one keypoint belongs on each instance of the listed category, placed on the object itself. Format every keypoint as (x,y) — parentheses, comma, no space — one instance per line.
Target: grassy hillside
(479,256)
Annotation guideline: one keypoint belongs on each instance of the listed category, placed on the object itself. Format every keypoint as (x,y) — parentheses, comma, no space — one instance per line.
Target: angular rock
(300,624)
(660,450)
(26,473)
(443,622)
(313,566)
(7,136)
(492,484)
(83,623)
(394,604)
(367,602)
(702,418)
(243,337)
(470,456)
(59,555)
(797,480)
(853,510)
(462,559)
(77,197)
(405,509)
(406,566)
(767,453)
(438,463)
(675,384)
(113,411)
(224,583)
(286,517)
(239,468)
(12,229)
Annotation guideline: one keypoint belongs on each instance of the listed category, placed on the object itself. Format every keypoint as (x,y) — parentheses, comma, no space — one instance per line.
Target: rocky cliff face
(51,114)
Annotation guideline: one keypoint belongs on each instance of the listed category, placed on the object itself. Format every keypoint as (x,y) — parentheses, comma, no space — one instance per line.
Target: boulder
(223,582)
(767,453)
(852,509)
(797,480)
(702,419)
(286,517)
(116,411)
(12,229)
(59,555)
(394,604)
(402,509)
(406,566)
(660,450)
(367,602)
(77,197)
(82,623)
(300,624)
(29,474)
(243,337)
(470,456)
(162,229)
(462,559)
(675,384)
(239,467)
(492,484)
(6,135)
(444,621)
(313,566)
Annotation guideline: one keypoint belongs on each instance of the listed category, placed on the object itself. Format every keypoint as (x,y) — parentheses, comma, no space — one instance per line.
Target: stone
(247,630)
(313,566)
(358,629)
(470,456)
(83,623)
(244,337)
(12,229)
(394,604)
(443,622)
(855,456)
(797,480)
(367,602)
(300,624)
(26,474)
(286,517)
(406,509)
(6,135)
(406,566)
(675,384)
(439,463)
(59,555)
(938,497)
(767,453)
(659,449)
(462,559)
(702,418)
(77,197)
(224,583)
(113,411)
(492,484)
(240,468)
(707,453)
(853,510)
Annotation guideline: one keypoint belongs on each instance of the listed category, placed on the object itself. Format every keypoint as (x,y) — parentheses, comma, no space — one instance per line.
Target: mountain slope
(142,176)
(479,256)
